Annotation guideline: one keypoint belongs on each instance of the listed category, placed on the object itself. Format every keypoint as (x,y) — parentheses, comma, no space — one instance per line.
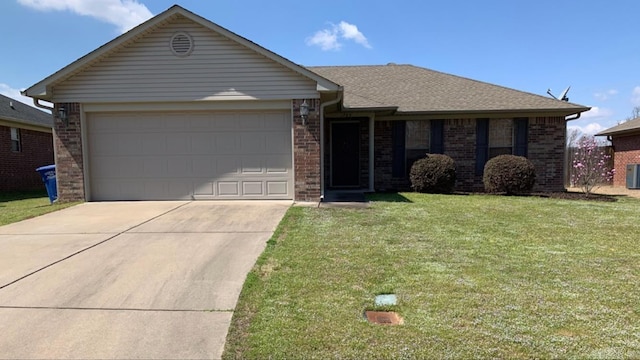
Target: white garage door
(184,156)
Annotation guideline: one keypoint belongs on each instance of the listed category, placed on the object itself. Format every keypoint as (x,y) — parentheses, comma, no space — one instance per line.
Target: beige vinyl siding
(217,69)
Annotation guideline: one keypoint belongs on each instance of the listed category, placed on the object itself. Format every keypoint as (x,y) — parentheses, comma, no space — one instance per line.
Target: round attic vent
(181,44)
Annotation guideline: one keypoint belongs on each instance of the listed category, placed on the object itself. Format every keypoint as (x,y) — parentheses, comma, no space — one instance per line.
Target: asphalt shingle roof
(631,126)
(415,89)
(23,113)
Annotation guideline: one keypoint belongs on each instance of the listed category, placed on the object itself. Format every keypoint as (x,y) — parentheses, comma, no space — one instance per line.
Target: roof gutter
(322,107)
(36,102)
(574,118)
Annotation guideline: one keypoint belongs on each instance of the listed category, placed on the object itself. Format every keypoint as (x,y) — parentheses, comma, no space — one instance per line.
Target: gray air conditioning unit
(633,176)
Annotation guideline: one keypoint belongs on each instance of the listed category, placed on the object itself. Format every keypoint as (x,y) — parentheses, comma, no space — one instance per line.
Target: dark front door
(345,154)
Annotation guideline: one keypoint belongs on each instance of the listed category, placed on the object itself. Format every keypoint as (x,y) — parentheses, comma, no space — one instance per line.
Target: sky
(590,45)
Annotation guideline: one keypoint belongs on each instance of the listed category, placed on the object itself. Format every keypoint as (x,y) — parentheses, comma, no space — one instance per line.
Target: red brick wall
(67,140)
(627,151)
(18,169)
(306,152)
(460,144)
(545,150)
(547,136)
(383,159)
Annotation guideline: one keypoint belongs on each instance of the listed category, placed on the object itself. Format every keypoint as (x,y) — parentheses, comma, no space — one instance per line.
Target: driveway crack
(92,246)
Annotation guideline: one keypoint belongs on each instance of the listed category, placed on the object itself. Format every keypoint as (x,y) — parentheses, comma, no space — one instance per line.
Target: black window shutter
(398,143)
(437,137)
(521,128)
(482,144)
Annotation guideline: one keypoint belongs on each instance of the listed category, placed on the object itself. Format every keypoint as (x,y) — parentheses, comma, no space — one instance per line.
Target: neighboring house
(181,108)
(25,144)
(625,139)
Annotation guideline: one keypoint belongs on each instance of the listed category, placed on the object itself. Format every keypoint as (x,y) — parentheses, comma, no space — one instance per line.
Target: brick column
(67,141)
(306,151)
(460,145)
(546,152)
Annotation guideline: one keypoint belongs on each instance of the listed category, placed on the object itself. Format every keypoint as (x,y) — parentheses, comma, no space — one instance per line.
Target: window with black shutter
(398,153)
(482,144)
(437,137)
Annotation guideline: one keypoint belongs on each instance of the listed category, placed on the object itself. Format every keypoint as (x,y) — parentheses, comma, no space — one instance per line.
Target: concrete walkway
(128,279)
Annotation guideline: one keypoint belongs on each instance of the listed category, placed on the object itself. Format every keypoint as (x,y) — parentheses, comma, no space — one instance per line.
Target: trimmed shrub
(436,174)
(509,174)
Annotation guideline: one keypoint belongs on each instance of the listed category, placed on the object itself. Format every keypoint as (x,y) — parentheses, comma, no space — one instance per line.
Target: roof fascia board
(41,90)
(628,132)
(393,114)
(25,125)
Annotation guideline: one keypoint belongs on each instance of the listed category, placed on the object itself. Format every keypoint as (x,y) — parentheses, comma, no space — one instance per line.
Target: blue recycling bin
(48,174)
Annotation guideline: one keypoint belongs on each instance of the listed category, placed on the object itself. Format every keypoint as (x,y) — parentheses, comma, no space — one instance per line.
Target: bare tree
(572,136)
(635,113)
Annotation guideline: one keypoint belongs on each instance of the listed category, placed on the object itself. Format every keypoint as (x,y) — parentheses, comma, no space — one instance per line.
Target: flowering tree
(590,168)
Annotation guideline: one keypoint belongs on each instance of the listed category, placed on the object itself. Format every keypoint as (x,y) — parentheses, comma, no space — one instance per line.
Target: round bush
(436,174)
(509,174)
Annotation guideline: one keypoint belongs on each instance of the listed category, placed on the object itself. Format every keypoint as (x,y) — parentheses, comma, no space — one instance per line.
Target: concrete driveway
(128,279)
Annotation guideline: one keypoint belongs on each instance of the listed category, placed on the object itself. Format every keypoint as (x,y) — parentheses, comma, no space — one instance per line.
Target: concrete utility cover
(386,300)
(128,279)
(383,317)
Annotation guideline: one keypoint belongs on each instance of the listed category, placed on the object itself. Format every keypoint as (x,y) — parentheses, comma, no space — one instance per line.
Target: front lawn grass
(17,206)
(476,276)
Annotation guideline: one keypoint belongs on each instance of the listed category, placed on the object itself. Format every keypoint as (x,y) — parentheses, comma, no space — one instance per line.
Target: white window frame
(16,144)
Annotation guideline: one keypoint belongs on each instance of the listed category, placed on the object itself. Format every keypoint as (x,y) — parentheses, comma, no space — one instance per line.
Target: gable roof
(413,89)
(42,89)
(15,113)
(626,128)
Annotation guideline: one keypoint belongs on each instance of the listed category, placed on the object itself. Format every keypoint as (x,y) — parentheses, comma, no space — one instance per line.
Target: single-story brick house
(625,139)
(26,143)
(181,108)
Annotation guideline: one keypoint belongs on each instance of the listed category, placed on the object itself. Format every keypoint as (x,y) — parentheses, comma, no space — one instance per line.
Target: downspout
(322,106)
(566,179)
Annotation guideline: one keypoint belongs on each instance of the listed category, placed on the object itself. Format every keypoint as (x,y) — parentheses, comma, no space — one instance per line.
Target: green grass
(476,276)
(17,206)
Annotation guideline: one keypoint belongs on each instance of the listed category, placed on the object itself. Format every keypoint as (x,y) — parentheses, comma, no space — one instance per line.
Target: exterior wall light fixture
(62,115)
(304,112)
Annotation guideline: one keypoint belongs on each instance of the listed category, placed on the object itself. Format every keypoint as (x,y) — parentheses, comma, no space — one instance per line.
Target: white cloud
(603,96)
(125,14)
(329,39)
(597,113)
(15,94)
(351,32)
(635,96)
(326,39)
(589,129)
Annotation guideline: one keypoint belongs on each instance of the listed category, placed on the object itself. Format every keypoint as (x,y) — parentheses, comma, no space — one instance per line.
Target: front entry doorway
(345,154)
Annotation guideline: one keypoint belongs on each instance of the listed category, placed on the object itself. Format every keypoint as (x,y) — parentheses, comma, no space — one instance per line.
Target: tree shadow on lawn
(387,197)
(21,195)
(396,197)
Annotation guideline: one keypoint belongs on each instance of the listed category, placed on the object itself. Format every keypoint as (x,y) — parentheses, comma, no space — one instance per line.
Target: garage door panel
(204,167)
(204,187)
(252,165)
(152,144)
(129,144)
(252,188)
(165,156)
(227,165)
(225,121)
(228,188)
(226,144)
(202,143)
(252,143)
(276,188)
